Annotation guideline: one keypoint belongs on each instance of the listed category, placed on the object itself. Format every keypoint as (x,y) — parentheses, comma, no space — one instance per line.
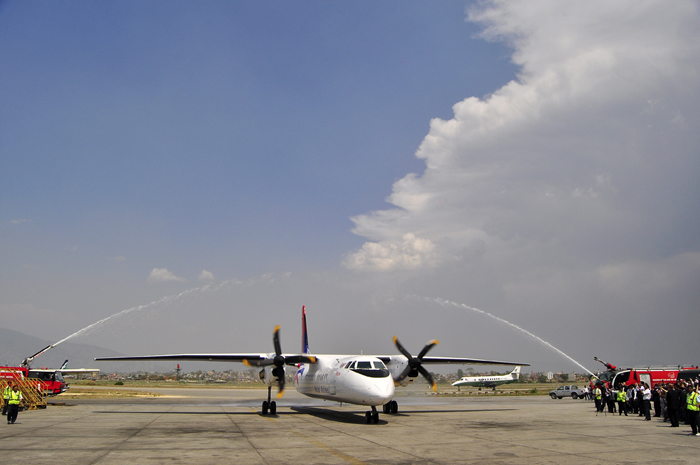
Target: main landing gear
(268,404)
(391,407)
(372,417)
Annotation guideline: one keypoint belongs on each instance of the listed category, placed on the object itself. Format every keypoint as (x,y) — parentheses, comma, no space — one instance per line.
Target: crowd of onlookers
(677,403)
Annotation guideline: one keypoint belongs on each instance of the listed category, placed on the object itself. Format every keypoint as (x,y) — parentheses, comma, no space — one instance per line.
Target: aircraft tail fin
(516,372)
(304,333)
(65,365)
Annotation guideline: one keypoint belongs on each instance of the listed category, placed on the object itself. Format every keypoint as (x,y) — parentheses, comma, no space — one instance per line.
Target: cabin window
(365,365)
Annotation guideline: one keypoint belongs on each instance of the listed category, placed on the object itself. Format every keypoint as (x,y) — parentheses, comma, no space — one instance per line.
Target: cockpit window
(366,365)
(351,364)
(379,365)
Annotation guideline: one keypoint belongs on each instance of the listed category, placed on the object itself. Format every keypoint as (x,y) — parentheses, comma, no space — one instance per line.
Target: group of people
(678,402)
(11,398)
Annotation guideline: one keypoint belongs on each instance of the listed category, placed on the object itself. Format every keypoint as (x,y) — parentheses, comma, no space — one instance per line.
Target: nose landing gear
(372,417)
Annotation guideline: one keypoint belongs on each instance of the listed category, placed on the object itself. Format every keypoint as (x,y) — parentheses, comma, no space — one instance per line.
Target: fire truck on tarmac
(652,375)
(48,380)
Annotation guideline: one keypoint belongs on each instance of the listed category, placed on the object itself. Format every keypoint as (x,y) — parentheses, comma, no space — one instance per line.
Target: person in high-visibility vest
(694,409)
(598,399)
(13,404)
(5,398)
(621,400)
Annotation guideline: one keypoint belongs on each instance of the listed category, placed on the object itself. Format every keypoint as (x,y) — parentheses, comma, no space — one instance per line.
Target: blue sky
(535,160)
(157,125)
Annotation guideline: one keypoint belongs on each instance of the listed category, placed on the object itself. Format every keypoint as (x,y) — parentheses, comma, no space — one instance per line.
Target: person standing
(598,399)
(673,402)
(5,398)
(621,400)
(656,400)
(13,404)
(693,409)
(646,399)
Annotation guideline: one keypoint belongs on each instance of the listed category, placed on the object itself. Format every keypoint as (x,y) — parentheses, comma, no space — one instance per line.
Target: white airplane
(489,381)
(354,379)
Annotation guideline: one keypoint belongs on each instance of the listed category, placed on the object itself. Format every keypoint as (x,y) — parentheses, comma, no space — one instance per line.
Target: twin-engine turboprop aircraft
(489,381)
(355,379)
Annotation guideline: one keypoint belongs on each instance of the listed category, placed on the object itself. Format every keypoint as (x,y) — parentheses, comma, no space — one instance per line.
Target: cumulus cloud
(411,253)
(162,275)
(590,154)
(206,276)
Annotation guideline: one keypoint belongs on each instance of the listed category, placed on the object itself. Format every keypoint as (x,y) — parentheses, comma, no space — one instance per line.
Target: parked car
(567,391)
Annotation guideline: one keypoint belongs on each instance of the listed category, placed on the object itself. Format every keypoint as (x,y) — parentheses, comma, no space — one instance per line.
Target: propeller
(279,361)
(416,363)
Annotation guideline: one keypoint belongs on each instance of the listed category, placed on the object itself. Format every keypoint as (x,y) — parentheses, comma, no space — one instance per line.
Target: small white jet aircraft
(489,381)
(355,379)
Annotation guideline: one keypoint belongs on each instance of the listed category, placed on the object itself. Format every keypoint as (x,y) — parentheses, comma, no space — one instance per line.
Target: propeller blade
(428,377)
(258,363)
(276,341)
(404,374)
(427,347)
(281,381)
(402,349)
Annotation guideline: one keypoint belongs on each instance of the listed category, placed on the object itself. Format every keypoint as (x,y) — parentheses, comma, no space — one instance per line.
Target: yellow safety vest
(693,402)
(621,396)
(15,397)
(6,392)
(598,393)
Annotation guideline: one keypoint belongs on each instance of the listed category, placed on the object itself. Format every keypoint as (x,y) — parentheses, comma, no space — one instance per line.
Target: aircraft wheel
(385,407)
(375,417)
(273,408)
(368,417)
(392,407)
(265,407)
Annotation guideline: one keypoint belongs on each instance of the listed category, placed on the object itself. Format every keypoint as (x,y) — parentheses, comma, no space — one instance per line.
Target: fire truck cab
(51,382)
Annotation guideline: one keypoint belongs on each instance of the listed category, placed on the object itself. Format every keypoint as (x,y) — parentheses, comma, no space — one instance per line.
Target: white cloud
(206,276)
(162,275)
(591,152)
(19,221)
(410,254)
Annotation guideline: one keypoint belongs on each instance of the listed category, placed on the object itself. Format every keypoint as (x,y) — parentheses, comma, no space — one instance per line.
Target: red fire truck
(652,375)
(50,381)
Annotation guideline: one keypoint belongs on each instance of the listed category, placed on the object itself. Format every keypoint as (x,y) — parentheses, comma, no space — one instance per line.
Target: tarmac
(221,426)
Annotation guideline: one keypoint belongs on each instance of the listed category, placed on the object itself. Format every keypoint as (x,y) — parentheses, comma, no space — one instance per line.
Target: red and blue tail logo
(304,334)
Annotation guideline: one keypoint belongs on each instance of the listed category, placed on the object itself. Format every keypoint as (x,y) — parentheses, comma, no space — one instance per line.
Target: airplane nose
(382,391)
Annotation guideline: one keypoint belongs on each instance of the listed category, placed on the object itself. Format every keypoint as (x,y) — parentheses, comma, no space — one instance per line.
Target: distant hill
(16,346)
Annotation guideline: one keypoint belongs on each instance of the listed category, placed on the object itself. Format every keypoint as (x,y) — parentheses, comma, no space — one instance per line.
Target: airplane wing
(470,361)
(251,359)
(455,360)
(79,370)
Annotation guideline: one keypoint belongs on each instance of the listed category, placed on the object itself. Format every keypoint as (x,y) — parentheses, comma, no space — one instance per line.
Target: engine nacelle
(397,365)
(270,375)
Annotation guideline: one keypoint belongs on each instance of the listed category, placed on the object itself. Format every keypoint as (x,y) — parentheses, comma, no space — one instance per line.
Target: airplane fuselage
(353,379)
